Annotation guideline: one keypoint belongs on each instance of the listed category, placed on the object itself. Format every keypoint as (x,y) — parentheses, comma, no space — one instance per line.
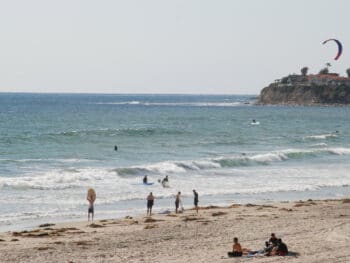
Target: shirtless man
(236,249)
(150,202)
(177,201)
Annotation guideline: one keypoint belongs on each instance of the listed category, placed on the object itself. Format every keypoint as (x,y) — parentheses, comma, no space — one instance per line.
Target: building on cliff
(310,89)
(317,79)
(328,79)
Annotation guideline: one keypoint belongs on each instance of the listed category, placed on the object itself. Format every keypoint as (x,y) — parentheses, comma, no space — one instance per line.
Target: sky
(166,46)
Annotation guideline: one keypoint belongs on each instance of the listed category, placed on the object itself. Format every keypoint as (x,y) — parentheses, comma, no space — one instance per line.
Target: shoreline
(137,208)
(318,230)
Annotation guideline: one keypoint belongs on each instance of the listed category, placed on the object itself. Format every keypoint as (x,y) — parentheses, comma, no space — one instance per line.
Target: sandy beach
(317,231)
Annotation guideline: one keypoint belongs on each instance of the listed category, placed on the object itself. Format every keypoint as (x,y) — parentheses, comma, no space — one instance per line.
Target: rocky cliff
(308,90)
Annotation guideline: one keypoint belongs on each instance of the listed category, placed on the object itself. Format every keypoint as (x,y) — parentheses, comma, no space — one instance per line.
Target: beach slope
(317,231)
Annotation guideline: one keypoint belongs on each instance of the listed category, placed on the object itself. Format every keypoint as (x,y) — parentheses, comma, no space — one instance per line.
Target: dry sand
(319,231)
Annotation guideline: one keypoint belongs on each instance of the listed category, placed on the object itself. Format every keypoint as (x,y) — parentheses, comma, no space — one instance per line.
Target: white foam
(55,179)
(339,151)
(321,136)
(269,157)
(319,144)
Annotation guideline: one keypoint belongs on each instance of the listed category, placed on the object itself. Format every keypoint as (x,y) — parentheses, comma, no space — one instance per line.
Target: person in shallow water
(177,201)
(91,197)
(115,147)
(145,179)
(165,180)
(150,202)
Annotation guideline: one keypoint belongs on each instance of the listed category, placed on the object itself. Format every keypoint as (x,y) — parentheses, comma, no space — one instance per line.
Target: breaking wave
(60,179)
(321,136)
(229,161)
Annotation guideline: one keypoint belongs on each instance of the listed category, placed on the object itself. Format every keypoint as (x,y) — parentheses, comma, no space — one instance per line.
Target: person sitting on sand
(91,197)
(271,243)
(177,201)
(236,249)
(280,250)
(145,180)
(273,239)
(150,201)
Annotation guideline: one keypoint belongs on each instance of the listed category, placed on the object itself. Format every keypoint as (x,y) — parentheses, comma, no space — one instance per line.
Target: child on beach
(150,201)
(91,197)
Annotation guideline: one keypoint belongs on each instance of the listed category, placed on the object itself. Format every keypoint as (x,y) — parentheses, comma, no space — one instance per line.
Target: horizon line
(107,93)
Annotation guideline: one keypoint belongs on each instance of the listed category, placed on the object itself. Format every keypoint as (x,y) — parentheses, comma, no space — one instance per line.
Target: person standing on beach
(91,197)
(177,201)
(195,201)
(150,201)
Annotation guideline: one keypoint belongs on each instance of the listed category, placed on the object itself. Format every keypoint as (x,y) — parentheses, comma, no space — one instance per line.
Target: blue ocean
(53,147)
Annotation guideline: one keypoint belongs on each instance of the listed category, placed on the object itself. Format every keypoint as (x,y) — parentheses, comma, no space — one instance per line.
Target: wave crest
(228,162)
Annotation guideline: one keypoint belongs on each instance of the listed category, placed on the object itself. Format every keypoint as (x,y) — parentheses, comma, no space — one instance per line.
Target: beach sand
(319,231)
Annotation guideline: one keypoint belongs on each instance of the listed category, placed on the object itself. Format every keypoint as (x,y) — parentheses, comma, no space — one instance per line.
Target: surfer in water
(253,121)
(145,179)
(165,181)
(115,147)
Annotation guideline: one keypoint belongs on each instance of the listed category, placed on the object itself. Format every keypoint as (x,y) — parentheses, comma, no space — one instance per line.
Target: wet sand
(317,231)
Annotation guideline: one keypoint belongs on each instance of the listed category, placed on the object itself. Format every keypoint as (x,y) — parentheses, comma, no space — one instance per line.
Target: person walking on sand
(177,201)
(91,197)
(195,201)
(150,201)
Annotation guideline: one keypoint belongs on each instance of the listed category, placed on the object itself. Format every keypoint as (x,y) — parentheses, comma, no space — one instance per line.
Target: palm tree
(348,72)
(304,71)
(324,71)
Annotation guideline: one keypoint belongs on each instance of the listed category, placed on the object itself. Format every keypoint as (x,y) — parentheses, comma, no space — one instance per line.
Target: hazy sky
(166,46)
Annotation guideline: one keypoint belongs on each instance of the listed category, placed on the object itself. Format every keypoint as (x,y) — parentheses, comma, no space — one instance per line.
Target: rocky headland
(318,89)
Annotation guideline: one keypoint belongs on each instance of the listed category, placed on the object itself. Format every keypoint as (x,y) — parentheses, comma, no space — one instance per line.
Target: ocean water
(53,147)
